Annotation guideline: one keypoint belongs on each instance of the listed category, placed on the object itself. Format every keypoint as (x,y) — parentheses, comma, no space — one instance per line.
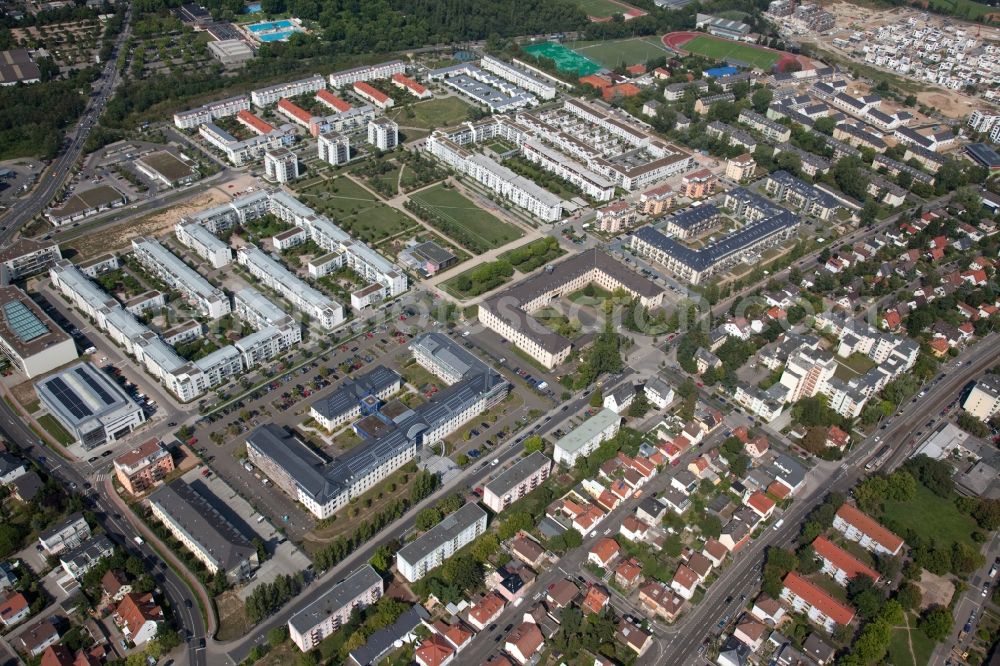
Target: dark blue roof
(984,154)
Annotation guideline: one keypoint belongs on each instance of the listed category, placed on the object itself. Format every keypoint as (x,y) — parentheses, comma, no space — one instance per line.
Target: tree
(936,623)
(908,595)
(485,547)
(597,398)
(640,405)
(277,636)
(808,562)
(761,99)
(381,559)
(533,444)
(965,559)
(427,519)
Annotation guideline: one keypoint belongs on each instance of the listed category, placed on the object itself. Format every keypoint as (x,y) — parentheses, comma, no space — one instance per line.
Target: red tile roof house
(486,611)
(138,617)
(633,529)
(660,600)
(633,637)
(628,574)
(820,607)
(56,655)
(700,565)
(434,651)
(13,608)
(457,635)
(561,593)
(595,600)
(858,526)
(523,642)
(751,633)
(757,446)
(762,505)
(684,581)
(603,552)
(715,552)
(768,610)
(840,564)
(837,438)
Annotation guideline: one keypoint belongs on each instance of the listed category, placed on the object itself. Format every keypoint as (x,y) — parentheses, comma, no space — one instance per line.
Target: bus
(880,457)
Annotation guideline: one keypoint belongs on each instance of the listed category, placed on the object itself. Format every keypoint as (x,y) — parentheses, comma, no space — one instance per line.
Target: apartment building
(372,94)
(616,217)
(32,342)
(693,222)
(860,527)
(508,312)
(807,598)
(382,70)
(211,301)
(142,467)
(770,130)
(519,77)
(356,397)
(431,549)
(263,97)
(983,401)
(859,136)
(254,123)
(86,555)
(839,564)
(741,168)
(311,625)
(593,184)
(205,532)
(657,200)
(517,481)
(326,312)
(383,133)
(733,136)
(699,184)
(982,121)
(204,243)
(483,88)
(281,165)
(66,535)
(334,148)
(93,409)
(407,84)
(212,111)
(586,437)
(25,257)
(254,308)
(806,373)
(243,152)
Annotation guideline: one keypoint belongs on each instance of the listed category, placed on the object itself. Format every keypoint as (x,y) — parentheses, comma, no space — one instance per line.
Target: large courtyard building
(29,339)
(509,312)
(92,408)
(241,152)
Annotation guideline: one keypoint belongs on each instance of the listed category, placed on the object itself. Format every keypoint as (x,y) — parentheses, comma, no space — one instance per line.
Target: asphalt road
(21,212)
(743,574)
(190,620)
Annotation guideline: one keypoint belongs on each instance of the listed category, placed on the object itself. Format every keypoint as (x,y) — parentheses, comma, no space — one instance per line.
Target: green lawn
(962,8)
(602,8)
(931,517)
(597,298)
(535,254)
(356,210)
(463,218)
(900,653)
(724,49)
(616,52)
(54,428)
(437,112)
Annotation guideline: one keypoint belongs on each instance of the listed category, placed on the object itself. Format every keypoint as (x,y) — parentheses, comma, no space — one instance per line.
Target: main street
(119,528)
(50,182)
(742,574)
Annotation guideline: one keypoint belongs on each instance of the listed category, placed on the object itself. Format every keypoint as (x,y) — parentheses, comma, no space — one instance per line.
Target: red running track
(675,41)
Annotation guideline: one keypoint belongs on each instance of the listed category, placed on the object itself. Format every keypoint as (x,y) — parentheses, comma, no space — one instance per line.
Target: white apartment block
(242,152)
(383,133)
(255,309)
(334,148)
(323,617)
(517,481)
(204,243)
(367,73)
(270,95)
(205,114)
(518,77)
(983,400)
(211,301)
(66,535)
(281,165)
(593,184)
(431,549)
(807,372)
(586,437)
(325,311)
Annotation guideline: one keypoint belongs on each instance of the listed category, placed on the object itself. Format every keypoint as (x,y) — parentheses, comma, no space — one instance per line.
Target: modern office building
(326,312)
(204,531)
(281,165)
(93,409)
(263,97)
(308,627)
(212,111)
(334,148)
(517,481)
(433,547)
(140,468)
(383,133)
(25,257)
(29,339)
(586,437)
(509,312)
(210,301)
(204,243)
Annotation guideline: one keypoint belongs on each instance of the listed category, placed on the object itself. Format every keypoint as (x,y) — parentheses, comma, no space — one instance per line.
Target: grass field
(473,220)
(437,112)
(900,653)
(961,8)
(931,517)
(54,428)
(601,8)
(723,49)
(356,210)
(617,52)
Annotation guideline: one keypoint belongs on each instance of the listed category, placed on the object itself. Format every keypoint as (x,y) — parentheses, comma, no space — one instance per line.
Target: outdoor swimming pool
(269,26)
(276,36)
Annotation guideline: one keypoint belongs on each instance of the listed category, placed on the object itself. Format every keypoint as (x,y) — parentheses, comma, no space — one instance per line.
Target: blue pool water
(276,36)
(269,25)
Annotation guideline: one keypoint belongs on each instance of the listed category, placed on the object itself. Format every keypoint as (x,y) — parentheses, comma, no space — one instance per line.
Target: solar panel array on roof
(23,322)
(68,398)
(95,386)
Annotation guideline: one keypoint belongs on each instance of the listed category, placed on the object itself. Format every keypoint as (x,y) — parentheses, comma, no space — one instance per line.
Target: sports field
(566,60)
(724,49)
(464,221)
(599,9)
(617,52)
